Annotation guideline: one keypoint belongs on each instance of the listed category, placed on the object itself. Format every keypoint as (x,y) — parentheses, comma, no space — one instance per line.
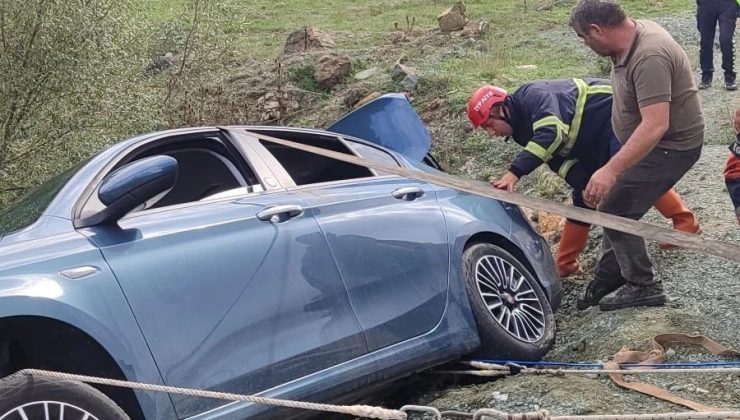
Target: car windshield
(31,206)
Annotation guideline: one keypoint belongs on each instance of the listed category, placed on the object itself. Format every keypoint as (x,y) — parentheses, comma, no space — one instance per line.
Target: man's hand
(737,120)
(506,182)
(599,185)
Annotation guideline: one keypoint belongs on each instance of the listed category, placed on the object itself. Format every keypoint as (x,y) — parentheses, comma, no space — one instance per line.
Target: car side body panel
(31,284)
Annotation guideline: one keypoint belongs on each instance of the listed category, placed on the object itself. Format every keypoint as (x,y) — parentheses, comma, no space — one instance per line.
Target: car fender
(468,215)
(32,284)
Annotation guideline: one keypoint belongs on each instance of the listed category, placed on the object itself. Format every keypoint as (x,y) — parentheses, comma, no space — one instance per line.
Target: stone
(409,82)
(527,67)
(332,69)
(475,29)
(367,99)
(355,94)
(160,64)
(365,74)
(396,37)
(401,71)
(453,18)
(307,38)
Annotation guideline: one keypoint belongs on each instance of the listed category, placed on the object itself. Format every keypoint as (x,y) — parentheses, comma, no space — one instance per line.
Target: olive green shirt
(656,69)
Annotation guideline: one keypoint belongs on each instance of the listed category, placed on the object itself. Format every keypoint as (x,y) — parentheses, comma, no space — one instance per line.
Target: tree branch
(2,30)
(193,27)
(172,83)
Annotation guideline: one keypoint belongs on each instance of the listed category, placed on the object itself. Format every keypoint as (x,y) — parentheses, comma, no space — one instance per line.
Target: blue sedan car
(212,258)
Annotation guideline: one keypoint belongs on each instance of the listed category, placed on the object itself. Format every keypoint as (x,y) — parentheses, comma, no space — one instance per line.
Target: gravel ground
(704,294)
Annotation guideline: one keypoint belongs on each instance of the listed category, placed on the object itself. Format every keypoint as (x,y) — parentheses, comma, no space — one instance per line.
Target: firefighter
(732,169)
(566,124)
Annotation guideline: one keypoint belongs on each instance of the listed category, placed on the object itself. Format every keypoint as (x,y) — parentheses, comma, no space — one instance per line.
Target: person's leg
(706,22)
(573,241)
(727,18)
(635,192)
(607,278)
(671,206)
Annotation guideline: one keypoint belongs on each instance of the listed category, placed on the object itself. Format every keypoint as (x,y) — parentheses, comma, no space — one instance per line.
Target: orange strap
(657,355)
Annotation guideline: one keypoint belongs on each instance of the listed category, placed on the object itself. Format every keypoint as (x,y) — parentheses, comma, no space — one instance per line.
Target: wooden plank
(722,249)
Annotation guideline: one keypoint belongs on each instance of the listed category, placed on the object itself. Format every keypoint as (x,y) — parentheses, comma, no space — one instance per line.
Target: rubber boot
(672,207)
(572,243)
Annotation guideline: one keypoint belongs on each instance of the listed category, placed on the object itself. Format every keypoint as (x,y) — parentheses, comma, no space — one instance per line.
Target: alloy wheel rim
(61,411)
(510,298)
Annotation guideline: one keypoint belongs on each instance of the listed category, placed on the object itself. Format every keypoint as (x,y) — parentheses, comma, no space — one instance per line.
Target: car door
(388,237)
(237,292)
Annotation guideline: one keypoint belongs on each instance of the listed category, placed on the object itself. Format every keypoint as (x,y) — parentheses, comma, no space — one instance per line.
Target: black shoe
(594,292)
(706,81)
(730,83)
(630,295)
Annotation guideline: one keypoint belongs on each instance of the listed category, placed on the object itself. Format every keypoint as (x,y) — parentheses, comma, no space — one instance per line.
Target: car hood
(389,121)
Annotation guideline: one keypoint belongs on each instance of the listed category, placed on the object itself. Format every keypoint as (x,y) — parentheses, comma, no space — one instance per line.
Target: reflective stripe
(583,91)
(538,151)
(551,120)
(561,129)
(575,126)
(600,89)
(565,167)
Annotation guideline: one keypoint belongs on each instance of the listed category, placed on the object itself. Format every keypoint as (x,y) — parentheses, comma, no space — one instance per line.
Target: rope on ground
(376,412)
(545,415)
(625,356)
(562,372)
(354,410)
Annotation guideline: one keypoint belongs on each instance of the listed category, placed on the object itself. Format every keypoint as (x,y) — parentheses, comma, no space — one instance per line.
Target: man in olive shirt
(657,116)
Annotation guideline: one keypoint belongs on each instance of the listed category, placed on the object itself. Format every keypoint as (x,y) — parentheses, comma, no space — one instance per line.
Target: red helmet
(480,104)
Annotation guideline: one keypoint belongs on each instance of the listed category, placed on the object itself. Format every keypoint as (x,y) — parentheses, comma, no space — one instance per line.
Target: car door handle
(408,193)
(279,214)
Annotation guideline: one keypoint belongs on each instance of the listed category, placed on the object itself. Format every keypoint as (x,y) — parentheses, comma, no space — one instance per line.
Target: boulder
(452,19)
(355,94)
(367,99)
(332,69)
(475,30)
(308,38)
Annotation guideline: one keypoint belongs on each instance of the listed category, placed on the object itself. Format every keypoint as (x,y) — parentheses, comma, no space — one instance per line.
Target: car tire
(27,396)
(514,317)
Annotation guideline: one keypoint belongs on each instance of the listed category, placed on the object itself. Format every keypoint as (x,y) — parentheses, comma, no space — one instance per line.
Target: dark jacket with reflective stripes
(564,123)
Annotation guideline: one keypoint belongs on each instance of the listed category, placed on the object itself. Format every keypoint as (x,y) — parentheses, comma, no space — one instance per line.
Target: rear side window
(308,168)
(373,154)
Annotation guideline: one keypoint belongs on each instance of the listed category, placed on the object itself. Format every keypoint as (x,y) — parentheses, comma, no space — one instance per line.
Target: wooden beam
(722,249)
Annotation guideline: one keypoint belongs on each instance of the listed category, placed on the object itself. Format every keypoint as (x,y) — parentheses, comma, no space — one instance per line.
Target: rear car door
(236,291)
(386,233)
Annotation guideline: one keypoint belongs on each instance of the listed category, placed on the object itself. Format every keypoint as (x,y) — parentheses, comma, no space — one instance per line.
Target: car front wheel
(512,312)
(24,397)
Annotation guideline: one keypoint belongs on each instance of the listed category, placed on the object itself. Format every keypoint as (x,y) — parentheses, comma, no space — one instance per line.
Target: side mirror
(131,185)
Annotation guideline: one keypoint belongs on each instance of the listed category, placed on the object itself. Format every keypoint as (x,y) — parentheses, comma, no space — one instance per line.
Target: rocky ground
(704,294)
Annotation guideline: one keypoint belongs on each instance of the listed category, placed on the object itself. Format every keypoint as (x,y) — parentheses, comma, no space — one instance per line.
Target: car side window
(309,168)
(373,154)
(207,170)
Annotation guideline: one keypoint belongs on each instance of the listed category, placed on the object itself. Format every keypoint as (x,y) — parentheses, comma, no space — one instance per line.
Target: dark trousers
(581,172)
(624,257)
(708,13)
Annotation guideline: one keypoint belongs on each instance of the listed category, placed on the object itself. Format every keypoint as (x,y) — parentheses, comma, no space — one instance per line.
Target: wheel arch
(30,341)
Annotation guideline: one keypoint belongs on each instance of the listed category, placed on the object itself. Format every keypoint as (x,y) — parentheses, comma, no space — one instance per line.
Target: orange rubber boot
(672,207)
(572,243)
